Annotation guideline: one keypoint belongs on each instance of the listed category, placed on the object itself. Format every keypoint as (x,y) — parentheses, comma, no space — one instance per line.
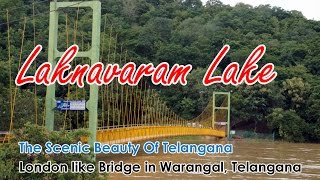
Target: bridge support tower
(227,108)
(93,54)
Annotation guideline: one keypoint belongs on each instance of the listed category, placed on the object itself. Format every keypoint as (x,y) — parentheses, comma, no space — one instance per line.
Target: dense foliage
(34,134)
(187,31)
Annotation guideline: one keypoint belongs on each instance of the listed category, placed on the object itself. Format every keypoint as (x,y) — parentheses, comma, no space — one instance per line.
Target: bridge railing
(219,125)
(138,133)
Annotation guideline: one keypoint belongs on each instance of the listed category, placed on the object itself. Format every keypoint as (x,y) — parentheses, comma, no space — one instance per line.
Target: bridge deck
(120,135)
(138,133)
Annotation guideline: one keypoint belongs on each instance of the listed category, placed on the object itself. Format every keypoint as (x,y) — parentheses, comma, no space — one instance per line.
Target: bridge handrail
(153,125)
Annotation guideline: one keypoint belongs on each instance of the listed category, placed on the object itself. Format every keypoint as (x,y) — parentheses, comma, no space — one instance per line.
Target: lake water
(254,151)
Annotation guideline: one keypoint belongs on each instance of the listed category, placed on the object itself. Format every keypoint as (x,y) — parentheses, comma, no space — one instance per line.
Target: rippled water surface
(243,150)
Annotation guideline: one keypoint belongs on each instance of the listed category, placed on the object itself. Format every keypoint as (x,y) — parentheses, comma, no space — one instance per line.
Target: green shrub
(34,134)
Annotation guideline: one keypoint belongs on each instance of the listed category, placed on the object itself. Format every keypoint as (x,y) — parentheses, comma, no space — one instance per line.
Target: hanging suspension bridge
(113,113)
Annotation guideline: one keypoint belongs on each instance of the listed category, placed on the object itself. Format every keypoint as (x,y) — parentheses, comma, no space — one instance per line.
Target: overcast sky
(309,8)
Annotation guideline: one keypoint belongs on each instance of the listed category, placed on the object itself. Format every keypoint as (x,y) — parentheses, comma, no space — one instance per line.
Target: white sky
(309,8)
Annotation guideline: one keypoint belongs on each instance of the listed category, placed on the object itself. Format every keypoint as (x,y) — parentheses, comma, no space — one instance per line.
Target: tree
(296,93)
(252,104)
(290,125)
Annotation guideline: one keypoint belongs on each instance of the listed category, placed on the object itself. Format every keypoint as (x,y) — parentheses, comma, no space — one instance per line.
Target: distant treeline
(182,32)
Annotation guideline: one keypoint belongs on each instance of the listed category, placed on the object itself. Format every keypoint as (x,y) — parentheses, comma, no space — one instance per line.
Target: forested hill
(188,31)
